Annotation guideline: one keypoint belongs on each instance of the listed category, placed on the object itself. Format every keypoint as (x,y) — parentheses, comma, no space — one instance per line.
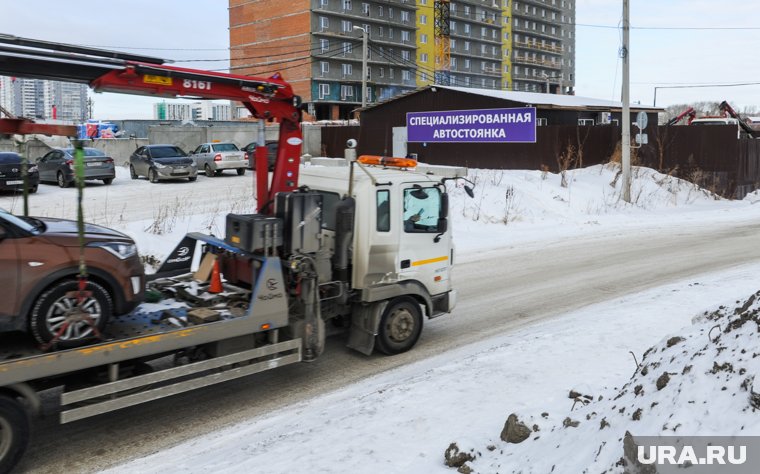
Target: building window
(346,26)
(453,44)
(467,28)
(405,55)
(453,63)
(348,48)
(324,45)
(348,69)
(346,92)
(323,3)
(506,68)
(324,23)
(423,77)
(391,73)
(380,11)
(423,19)
(390,12)
(405,36)
(483,32)
(482,49)
(466,45)
(365,9)
(324,91)
(324,67)
(406,75)
(424,57)
(467,63)
(453,27)
(381,72)
(423,39)
(405,16)
(380,31)
(346,5)
(466,10)
(390,33)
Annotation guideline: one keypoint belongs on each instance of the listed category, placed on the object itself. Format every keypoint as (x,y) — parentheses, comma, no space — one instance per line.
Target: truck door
(425,242)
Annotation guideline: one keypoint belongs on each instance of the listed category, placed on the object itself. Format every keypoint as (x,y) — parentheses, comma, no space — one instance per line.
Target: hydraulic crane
(269,99)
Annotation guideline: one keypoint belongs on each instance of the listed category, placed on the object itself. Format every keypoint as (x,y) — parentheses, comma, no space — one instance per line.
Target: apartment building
(40,99)
(317,46)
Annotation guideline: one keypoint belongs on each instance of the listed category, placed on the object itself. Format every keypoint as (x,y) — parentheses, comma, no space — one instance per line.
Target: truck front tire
(49,313)
(14,432)
(400,326)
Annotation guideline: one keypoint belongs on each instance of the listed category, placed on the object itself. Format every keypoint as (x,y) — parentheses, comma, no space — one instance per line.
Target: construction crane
(442,32)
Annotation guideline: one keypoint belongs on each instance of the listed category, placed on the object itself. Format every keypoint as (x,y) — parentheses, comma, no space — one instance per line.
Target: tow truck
(366,245)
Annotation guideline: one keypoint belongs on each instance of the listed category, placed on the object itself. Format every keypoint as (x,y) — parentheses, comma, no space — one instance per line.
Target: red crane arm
(270,99)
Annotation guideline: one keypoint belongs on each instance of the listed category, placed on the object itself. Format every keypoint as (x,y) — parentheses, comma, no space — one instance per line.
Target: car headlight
(119,249)
(32,169)
(159,165)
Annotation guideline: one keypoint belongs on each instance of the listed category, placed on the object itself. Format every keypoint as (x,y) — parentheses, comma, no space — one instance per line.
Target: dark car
(10,173)
(57,166)
(250,154)
(158,162)
(39,265)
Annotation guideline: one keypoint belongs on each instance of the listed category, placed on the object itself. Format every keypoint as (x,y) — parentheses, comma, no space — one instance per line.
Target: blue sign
(516,125)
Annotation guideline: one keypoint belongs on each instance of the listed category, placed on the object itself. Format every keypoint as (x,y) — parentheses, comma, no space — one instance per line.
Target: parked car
(250,153)
(157,162)
(10,173)
(39,264)
(57,166)
(213,158)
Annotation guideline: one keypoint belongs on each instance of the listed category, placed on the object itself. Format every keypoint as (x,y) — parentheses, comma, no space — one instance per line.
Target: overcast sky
(685,48)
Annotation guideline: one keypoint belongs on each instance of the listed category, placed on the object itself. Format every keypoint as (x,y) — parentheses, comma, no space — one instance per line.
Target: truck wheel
(400,326)
(59,301)
(209,172)
(132,173)
(14,432)
(241,171)
(152,176)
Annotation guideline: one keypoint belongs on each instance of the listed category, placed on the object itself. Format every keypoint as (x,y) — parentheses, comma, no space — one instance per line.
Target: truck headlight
(119,249)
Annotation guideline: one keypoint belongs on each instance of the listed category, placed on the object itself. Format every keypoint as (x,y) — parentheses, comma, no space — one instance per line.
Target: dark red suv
(39,264)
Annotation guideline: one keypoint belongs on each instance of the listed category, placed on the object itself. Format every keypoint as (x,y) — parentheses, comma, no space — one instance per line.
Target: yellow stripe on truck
(430,260)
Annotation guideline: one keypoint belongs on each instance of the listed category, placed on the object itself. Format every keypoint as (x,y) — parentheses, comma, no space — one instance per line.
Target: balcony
(518,59)
(538,46)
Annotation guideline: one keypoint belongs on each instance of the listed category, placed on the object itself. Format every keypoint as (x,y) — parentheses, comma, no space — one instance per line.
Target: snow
(403,420)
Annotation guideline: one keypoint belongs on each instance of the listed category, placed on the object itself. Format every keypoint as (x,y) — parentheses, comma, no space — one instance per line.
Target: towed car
(11,177)
(57,166)
(39,268)
(250,154)
(159,162)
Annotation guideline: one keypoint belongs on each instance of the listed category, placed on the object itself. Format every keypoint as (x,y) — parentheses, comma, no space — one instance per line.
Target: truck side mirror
(444,205)
(443,226)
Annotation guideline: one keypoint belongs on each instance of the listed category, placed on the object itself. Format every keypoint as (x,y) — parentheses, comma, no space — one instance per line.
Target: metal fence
(711,156)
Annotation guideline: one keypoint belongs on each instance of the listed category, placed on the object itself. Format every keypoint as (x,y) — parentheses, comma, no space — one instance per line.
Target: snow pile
(529,196)
(701,380)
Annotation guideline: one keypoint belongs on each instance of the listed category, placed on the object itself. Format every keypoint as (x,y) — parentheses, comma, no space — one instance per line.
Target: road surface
(500,290)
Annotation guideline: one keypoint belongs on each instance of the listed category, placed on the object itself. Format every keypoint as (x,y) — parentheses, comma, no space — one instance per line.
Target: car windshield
(166,152)
(224,147)
(9,158)
(87,152)
(31,225)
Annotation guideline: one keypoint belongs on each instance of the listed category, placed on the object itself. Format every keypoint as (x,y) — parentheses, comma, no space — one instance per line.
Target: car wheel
(400,326)
(108,181)
(33,189)
(62,181)
(132,173)
(241,171)
(209,172)
(57,306)
(14,432)
(192,178)
(152,176)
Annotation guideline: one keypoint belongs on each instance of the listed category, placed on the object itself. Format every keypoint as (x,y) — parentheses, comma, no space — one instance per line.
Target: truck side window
(383,211)
(422,208)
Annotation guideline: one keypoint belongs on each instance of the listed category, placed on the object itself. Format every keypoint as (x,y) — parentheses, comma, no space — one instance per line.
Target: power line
(697,28)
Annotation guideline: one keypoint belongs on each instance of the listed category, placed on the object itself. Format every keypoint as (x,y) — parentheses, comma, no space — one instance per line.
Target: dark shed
(558,116)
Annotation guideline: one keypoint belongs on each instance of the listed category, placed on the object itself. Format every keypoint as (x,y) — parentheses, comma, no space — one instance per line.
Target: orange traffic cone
(216,279)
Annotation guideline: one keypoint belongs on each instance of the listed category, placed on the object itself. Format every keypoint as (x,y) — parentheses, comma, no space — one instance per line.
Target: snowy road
(500,290)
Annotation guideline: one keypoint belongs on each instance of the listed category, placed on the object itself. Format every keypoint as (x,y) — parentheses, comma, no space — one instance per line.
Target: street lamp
(364,64)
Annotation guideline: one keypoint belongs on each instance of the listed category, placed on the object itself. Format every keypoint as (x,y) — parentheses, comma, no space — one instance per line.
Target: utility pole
(364,64)
(626,114)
